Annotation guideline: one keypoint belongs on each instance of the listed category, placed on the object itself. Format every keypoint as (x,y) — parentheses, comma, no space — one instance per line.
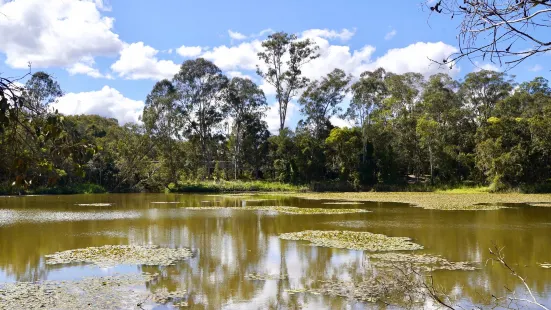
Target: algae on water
(265,277)
(353,240)
(112,255)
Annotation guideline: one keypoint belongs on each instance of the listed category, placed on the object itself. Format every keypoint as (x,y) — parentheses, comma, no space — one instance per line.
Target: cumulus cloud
(240,74)
(234,35)
(417,58)
(485,66)
(189,51)
(390,34)
(139,61)
(413,58)
(107,102)
(239,57)
(86,67)
(344,34)
(339,122)
(55,33)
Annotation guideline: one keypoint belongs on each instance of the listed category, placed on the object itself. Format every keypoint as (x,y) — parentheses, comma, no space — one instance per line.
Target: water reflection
(229,244)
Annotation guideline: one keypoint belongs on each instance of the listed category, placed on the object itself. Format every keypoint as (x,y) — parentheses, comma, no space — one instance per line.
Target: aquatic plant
(424,262)
(283,209)
(109,292)
(97,204)
(353,240)
(112,255)
(437,201)
(265,277)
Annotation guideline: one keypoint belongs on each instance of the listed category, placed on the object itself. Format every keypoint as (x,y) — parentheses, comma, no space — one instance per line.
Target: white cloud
(240,74)
(344,34)
(189,51)
(107,102)
(339,122)
(485,66)
(536,68)
(272,116)
(86,66)
(239,57)
(139,61)
(55,33)
(413,58)
(390,34)
(417,58)
(236,35)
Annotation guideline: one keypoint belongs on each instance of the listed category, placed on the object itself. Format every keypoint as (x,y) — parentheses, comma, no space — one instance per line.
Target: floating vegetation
(258,200)
(111,234)
(14,216)
(438,201)
(165,202)
(283,209)
(343,203)
(97,204)
(353,240)
(112,255)
(541,204)
(296,291)
(545,265)
(424,262)
(265,277)
(110,292)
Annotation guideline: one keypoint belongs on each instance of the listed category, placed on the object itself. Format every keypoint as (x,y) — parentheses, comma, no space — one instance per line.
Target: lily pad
(110,292)
(363,241)
(283,209)
(424,262)
(265,277)
(97,204)
(112,255)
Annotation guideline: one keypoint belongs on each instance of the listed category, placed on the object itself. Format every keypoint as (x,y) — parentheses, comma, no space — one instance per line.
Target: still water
(229,244)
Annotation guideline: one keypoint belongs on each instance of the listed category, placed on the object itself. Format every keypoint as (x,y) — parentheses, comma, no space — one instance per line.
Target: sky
(108,54)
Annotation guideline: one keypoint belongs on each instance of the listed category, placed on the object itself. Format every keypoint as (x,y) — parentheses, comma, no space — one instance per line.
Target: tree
(201,102)
(368,94)
(284,56)
(482,90)
(505,32)
(246,105)
(321,98)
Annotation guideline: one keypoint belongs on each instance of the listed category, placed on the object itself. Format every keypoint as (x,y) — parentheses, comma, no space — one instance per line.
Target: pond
(238,260)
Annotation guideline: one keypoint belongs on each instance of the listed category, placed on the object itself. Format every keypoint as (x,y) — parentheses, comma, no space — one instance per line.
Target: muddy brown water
(229,244)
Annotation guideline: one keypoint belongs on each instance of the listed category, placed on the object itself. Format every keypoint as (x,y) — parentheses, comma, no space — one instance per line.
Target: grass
(234,186)
(444,200)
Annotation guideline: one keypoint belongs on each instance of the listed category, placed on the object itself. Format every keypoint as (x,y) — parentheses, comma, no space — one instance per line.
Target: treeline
(202,125)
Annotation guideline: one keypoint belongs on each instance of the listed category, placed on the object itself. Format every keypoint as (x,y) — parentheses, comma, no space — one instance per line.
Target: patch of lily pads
(342,203)
(96,204)
(439,201)
(362,241)
(264,277)
(283,209)
(113,255)
(422,262)
(109,292)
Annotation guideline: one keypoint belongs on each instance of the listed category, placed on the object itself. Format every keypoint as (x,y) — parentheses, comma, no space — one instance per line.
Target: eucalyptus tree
(163,124)
(283,57)
(246,105)
(368,94)
(201,103)
(482,90)
(321,99)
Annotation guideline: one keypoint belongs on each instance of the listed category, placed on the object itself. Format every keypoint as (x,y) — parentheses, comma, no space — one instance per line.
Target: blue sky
(108,54)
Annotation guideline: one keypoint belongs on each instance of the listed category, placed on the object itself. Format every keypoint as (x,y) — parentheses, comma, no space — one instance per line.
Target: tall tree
(201,102)
(321,98)
(368,94)
(284,56)
(246,104)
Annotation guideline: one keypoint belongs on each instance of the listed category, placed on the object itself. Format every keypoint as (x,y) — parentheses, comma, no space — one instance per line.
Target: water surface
(229,244)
